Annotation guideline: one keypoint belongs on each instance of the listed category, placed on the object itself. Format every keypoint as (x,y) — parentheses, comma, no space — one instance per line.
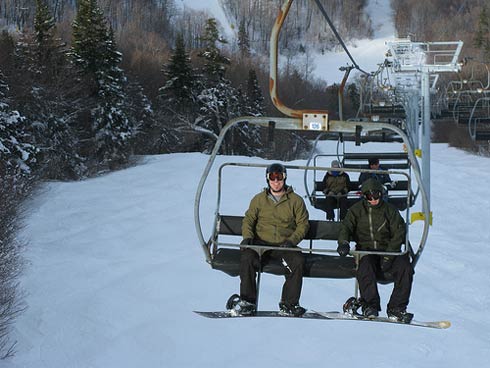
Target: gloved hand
(330,193)
(246,241)
(287,244)
(386,263)
(391,185)
(343,249)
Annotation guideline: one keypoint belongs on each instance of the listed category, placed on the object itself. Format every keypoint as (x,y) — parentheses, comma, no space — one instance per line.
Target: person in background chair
(336,186)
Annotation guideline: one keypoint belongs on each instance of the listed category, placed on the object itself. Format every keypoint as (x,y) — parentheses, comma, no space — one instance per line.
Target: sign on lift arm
(312,121)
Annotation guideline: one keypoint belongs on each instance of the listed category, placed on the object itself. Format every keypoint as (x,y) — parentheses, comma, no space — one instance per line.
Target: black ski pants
(331,203)
(250,263)
(402,273)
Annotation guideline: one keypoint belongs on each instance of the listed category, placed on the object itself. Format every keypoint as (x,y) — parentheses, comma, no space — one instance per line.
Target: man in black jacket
(376,225)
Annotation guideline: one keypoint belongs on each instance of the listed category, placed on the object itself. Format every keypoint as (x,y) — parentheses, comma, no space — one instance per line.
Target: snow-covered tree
(15,149)
(214,61)
(219,101)
(255,106)
(177,93)
(243,40)
(95,53)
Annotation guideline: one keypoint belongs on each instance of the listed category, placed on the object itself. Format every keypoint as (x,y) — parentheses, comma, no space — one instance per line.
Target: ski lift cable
(334,30)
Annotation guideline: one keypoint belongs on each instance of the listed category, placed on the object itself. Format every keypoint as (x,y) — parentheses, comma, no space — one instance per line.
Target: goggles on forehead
(276,176)
(372,195)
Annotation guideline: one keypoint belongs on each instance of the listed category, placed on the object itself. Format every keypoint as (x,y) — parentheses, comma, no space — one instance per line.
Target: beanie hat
(371,184)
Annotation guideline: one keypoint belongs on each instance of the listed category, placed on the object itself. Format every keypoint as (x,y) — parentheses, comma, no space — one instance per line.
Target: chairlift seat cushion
(316,265)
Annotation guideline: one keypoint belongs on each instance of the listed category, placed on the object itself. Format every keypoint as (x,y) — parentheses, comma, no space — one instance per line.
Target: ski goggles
(273,176)
(372,195)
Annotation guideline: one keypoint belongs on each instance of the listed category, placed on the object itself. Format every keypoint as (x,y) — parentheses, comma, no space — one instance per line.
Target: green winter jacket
(274,223)
(338,184)
(378,227)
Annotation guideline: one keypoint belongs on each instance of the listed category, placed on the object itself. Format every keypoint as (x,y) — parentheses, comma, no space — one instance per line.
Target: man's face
(373,197)
(374,166)
(276,181)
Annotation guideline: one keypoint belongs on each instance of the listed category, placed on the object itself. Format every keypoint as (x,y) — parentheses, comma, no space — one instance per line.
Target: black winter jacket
(379,227)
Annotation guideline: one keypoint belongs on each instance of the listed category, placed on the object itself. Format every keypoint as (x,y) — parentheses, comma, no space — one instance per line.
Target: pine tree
(254,95)
(214,62)
(177,93)
(243,40)
(44,27)
(95,53)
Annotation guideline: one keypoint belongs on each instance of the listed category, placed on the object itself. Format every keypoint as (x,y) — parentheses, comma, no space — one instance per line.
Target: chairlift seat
(316,264)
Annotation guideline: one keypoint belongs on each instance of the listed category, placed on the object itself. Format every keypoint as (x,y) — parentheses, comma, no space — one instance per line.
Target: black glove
(386,263)
(287,244)
(246,241)
(343,249)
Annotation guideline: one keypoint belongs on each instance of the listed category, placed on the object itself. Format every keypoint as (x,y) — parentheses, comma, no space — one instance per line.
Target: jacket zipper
(371,230)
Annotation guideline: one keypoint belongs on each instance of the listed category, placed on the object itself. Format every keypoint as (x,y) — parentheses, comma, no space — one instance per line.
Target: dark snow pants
(402,272)
(250,263)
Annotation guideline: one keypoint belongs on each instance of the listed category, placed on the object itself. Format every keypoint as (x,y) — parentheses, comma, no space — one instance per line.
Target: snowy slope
(367,53)
(116,271)
(215,10)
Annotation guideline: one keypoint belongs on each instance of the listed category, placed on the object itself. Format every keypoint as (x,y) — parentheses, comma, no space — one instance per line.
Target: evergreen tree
(95,53)
(177,93)
(47,47)
(214,62)
(220,102)
(254,94)
(15,149)
(243,40)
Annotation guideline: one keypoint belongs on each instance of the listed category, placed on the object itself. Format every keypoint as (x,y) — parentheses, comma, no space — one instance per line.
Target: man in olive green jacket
(276,217)
(376,225)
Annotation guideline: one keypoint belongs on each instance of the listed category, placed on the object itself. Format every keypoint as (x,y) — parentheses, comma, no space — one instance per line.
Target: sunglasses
(373,195)
(273,176)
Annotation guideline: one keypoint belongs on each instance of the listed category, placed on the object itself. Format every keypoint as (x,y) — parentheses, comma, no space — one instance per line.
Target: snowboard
(311,314)
(230,314)
(357,317)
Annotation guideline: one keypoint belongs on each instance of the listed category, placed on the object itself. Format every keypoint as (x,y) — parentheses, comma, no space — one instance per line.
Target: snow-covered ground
(214,8)
(367,53)
(115,271)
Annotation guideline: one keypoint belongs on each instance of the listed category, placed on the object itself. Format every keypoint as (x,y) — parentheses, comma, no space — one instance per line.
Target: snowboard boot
(400,315)
(370,312)
(240,307)
(291,310)
(351,306)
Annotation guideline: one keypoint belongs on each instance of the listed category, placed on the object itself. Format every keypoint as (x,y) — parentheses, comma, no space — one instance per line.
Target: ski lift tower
(416,67)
